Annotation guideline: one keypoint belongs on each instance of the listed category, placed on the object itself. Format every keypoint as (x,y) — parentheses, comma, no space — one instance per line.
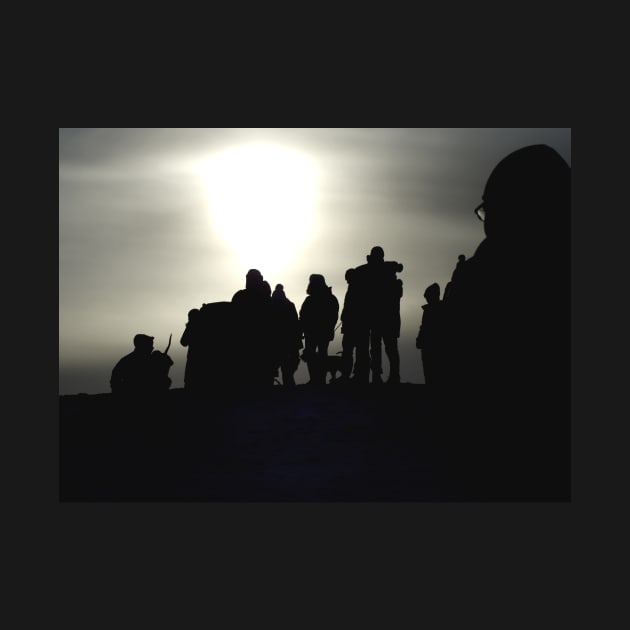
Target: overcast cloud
(138,249)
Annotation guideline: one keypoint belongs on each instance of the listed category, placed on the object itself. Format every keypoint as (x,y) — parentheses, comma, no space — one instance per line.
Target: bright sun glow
(262,200)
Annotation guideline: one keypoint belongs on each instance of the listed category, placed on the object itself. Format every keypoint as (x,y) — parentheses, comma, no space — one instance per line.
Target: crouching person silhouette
(143,371)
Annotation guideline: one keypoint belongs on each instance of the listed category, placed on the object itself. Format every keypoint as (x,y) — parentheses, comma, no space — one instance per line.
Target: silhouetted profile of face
(528,195)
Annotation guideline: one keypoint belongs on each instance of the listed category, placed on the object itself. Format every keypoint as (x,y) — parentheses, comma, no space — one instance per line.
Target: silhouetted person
(507,310)
(383,293)
(355,329)
(193,339)
(142,371)
(286,335)
(461,259)
(429,337)
(507,318)
(211,363)
(253,343)
(318,318)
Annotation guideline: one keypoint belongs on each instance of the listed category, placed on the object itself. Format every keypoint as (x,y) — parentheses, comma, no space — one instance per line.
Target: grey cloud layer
(137,250)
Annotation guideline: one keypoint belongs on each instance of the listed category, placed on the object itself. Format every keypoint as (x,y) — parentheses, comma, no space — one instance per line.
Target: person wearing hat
(137,372)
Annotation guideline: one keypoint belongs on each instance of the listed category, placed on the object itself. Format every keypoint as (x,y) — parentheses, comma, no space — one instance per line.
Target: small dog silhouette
(334,365)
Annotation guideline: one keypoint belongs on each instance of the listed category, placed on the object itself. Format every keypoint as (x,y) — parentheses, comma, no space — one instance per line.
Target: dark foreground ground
(333,444)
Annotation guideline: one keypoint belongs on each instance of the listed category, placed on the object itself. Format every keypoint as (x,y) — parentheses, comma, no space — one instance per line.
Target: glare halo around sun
(262,202)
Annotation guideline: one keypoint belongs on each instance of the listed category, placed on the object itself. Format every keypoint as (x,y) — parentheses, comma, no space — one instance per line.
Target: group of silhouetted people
(260,337)
(495,346)
(502,318)
(371,319)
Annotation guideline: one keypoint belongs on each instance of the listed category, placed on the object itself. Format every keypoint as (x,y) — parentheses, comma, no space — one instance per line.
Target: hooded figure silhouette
(286,335)
(318,317)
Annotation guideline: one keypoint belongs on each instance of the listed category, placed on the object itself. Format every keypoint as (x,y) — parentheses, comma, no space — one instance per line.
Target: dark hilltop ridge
(301,444)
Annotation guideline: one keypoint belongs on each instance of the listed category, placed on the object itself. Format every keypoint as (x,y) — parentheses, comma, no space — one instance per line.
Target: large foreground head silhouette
(528,193)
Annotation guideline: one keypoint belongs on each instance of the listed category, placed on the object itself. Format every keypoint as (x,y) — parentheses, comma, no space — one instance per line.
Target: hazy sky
(154,222)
